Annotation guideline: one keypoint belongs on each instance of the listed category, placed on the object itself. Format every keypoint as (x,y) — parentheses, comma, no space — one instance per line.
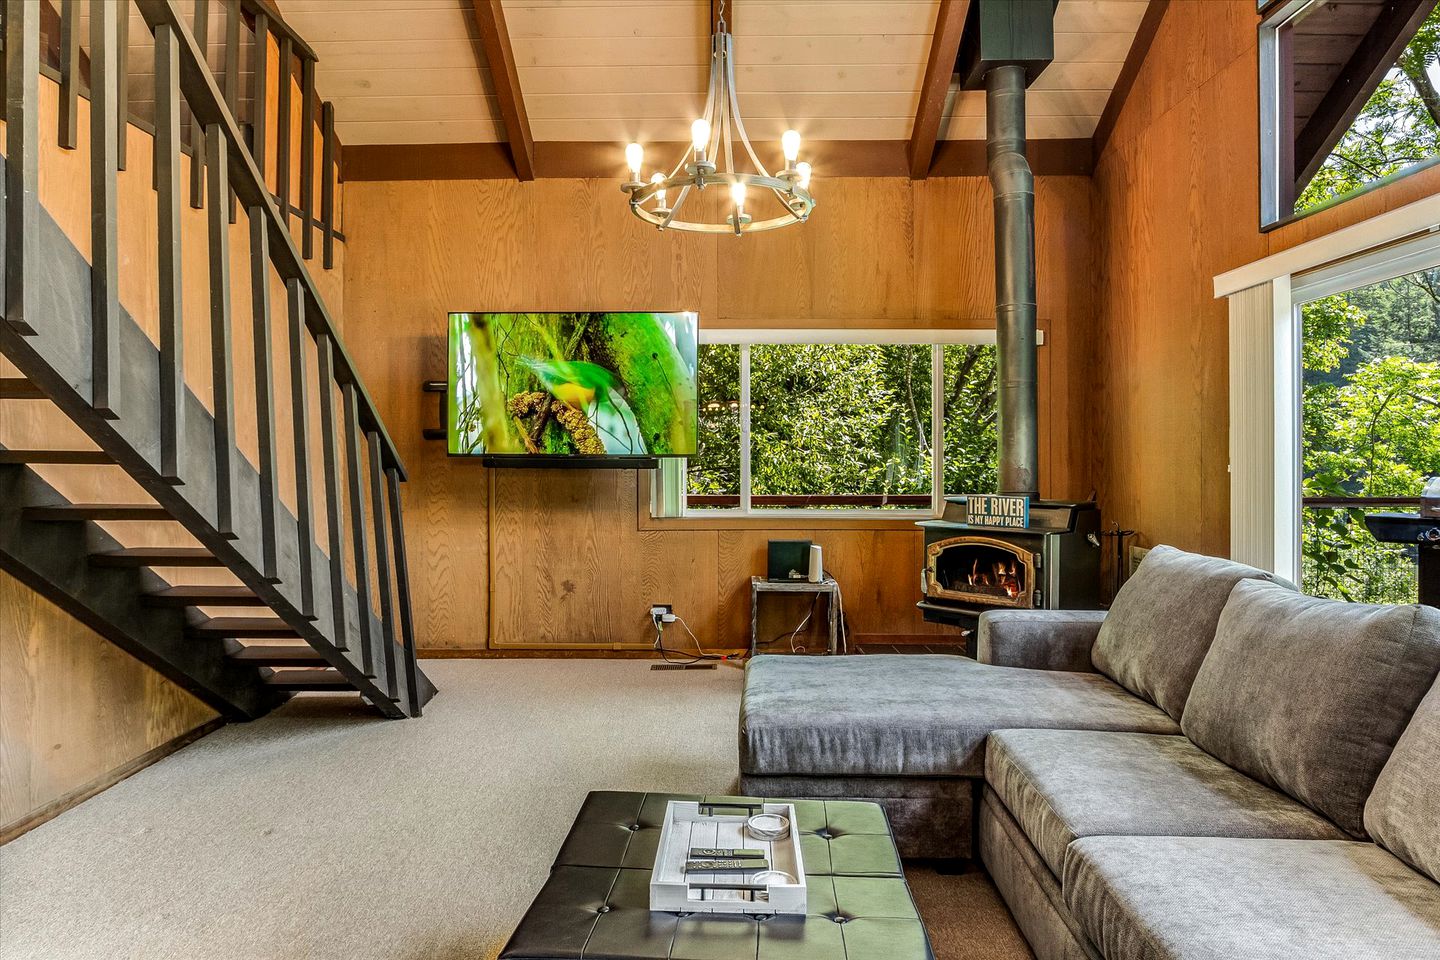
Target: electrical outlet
(662,612)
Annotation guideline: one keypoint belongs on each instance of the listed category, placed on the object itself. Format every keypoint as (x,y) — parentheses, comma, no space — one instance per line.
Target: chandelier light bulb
(737,193)
(790,143)
(634,157)
(803,169)
(700,135)
(658,177)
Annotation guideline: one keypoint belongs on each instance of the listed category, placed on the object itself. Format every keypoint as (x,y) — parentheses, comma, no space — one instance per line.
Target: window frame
(1266,379)
(666,506)
(1275,109)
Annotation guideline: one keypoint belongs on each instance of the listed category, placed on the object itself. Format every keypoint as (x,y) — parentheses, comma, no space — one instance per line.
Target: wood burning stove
(1051,563)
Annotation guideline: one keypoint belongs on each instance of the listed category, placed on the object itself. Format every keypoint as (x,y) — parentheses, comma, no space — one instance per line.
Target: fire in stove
(979,571)
(1001,578)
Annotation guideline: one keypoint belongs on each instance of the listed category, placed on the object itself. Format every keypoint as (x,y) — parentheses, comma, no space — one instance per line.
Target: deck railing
(141,411)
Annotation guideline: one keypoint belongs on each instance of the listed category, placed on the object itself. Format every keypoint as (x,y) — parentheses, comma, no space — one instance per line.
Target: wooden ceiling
(611,71)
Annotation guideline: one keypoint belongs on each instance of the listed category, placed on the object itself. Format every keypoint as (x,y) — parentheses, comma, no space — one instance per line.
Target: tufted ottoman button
(604,909)
(634,827)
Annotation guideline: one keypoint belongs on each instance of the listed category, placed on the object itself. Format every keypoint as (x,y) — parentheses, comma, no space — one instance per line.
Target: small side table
(828,587)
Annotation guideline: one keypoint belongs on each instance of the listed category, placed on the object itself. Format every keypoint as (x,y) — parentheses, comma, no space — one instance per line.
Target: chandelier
(710,161)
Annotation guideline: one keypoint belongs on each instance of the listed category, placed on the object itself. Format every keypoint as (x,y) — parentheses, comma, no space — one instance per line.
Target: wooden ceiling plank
(944,48)
(1357,80)
(495,42)
(1144,36)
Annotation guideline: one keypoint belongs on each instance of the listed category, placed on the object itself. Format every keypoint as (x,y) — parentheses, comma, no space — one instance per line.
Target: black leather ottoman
(596,904)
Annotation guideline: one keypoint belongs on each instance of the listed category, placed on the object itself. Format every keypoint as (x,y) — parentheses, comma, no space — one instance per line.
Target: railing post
(402,582)
(325,349)
(264,391)
(222,376)
(307,157)
(299,394)
(197,163)
(232,70)
(167,211)
(327,181)
(260,91)
(382,563)
(69,135)
(22,168)
(104,258)
(353,440)
(282,135)
(122,92)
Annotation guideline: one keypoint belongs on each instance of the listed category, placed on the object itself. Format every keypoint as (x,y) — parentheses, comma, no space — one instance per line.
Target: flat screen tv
(572,388)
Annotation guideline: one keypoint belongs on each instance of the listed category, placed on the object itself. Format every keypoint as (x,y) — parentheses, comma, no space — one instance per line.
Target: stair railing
(135,404)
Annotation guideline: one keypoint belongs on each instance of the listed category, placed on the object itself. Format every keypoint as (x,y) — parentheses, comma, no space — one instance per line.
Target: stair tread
(288,654)
(96,457)
(298,678)
(19,388)
(156,557)
(204,596)
(97,511)
(241,627)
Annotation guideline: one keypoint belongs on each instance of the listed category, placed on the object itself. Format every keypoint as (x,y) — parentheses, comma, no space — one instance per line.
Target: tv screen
(572,384)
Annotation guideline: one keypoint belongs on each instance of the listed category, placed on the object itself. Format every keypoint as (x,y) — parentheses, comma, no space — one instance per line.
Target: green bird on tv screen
(572,384)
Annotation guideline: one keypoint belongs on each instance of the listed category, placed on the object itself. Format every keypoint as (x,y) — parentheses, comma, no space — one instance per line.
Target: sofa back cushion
(1309,695)
(1163,620)
(1403,812)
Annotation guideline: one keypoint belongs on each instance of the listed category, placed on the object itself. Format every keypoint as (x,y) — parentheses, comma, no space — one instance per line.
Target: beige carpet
(320,832)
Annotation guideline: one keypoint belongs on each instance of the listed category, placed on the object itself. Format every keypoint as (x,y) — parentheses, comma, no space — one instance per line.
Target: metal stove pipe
(1015,314)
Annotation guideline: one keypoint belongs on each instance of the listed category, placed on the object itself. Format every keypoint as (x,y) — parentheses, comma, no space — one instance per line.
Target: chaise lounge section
(1235,807)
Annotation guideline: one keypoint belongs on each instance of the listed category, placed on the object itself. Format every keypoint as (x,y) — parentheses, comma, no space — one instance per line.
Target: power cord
(665,653)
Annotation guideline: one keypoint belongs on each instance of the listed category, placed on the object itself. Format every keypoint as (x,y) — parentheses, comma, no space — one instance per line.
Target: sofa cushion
(915,715)
(1063,784)
(1163,621)
(1309,695)
(1177,898)
(1403,812)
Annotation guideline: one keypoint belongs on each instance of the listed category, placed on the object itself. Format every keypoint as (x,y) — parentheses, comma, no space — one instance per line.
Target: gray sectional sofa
(1218,767)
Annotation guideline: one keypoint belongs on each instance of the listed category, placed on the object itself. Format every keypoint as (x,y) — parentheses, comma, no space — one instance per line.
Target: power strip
(682,666)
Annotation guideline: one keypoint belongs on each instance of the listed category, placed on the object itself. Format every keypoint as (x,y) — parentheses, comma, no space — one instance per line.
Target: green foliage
(1370,427)
(844,419)
(1399,125)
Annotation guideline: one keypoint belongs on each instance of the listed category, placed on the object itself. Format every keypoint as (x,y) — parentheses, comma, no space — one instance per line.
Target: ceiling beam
(495,42)
(581,160)
(1139,47)
(944,48)
(1373,57)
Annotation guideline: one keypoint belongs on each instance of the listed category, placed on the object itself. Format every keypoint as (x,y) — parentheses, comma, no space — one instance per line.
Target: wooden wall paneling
(554,560)
(1175,204)
(74,708)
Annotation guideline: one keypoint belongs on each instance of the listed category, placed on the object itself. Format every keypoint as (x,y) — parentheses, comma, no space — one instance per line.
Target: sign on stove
(996,510)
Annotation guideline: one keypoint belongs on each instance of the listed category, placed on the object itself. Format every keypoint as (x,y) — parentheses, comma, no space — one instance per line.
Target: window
(1369,416)
(1348,99)
(801,423)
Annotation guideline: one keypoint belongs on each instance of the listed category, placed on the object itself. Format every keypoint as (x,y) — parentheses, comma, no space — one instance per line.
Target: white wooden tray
(692,824)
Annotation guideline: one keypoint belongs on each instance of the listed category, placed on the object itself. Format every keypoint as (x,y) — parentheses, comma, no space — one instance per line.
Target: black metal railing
(197,470)
(65,58)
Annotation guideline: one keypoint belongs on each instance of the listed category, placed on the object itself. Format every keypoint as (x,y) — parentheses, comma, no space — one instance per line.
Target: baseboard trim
(79,795)
(559,653)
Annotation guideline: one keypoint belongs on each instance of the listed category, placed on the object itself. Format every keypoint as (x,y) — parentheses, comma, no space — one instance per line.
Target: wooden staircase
(316,593)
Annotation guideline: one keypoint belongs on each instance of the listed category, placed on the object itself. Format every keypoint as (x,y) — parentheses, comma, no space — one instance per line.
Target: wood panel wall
(509,559)
(75,710)
(1176,203)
